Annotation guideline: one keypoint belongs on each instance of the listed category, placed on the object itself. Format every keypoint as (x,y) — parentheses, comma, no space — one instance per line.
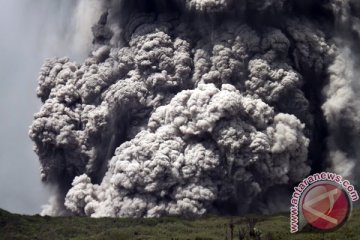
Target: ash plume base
(187,107)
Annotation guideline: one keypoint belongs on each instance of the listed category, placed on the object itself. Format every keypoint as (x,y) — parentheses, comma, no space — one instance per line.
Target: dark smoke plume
(195,106)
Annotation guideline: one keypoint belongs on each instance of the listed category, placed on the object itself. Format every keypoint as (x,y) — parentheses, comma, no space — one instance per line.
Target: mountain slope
(14,226)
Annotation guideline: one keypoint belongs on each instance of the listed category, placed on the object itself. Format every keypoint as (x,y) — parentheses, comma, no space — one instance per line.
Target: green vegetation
(13,226)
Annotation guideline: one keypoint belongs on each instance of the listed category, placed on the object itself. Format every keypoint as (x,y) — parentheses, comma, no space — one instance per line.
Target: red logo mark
(325,206)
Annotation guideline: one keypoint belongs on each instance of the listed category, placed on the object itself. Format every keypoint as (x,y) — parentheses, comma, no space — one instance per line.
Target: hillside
(13,226)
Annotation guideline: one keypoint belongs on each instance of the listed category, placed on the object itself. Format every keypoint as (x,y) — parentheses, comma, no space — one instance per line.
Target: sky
(31,31)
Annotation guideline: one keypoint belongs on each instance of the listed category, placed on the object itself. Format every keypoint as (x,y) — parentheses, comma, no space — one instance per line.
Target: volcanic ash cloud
(189,107)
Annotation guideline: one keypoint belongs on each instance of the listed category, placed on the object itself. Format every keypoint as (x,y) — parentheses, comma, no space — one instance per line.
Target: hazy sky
(31,30)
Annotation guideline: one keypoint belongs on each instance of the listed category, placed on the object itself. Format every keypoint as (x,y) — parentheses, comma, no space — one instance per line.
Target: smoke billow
(195,106)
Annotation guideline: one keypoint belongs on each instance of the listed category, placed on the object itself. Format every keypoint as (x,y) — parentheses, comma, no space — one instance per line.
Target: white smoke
(86,14)
(342,112)
(65,25)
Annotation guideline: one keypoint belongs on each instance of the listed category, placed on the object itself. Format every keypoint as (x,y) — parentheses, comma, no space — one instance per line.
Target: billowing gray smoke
(195,106)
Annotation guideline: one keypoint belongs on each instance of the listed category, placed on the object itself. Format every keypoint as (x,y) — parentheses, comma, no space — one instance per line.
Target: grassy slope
(13,226)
